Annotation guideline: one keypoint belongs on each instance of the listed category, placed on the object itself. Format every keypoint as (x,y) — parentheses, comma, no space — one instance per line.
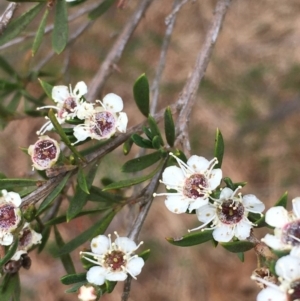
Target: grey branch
(115,54)
(7,16)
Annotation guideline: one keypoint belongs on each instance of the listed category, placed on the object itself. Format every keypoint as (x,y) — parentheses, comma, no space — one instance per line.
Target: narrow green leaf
(15,27)
(45,235)
(241,256)
(65,259)
(169,127)
(14,103)
(131,182)
(156,142)
(80,197)
(219,148)
(98,195)
(5,66)
(63,136)
(148,133)
(141,94)
(191,239)
(11,183)
(145,254)
(60,30)
(141,163)
(81,180)
(46,87)
(101,9)
(12,290)
(283,200)
(10,253)
(141,142)
(40,33)
(154,129)
(75,288)
(231,185)
(73,278)
(53,195)
(97,229)
(238,246)
(127,146)
(110,285)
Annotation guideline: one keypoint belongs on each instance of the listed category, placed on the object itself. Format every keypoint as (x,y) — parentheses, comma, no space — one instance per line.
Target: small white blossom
(87,293)
(44,153)
(10,216)
(287,227)
(114,260)
(288,270)
(68,104)
(229,214)
(104,120)
(194,182)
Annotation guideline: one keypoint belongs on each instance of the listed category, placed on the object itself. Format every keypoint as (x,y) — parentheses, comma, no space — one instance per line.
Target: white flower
(288,270)
(87,293)
(194,182)
(287,227)
(10,216)
(114,260)
(104,120)
(228,215)
(68,104)
(44,153)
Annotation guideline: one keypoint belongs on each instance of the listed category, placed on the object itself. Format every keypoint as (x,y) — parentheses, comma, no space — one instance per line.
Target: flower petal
(80,133)
(242,230)
(274,242)
(96,275)
(223,233)
(122,122)
(116,276)
(60,93)
(252,203)
(288,267)
(215,178)
(12,197)
(226,193)
(296,206)
(198,203)
(80,89)
(206,213)
(113,102)
(126,244)
(177,203)
(277,217)
(271,294)
(135,265)
(100,244)
(173,177)
(198,164)
(6,239)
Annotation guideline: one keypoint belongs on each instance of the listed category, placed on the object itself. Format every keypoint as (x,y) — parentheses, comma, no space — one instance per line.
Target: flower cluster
(194,183)
(113,261)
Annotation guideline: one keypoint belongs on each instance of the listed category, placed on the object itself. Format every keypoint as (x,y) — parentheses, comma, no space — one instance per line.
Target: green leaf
(156,142)
(53,195)
(65,259)
(110,285)
(131,182)
(10,253)
(63,136)
(257,219)
(191,239)
(98,195)
(154,129)
(40,33)
(97,229)
(15,27)
(45,235)
(141,142)
(141,163)
(238,246)
(12,183)
(73,278)
(282,201)
(141,94)
(5,66)
(76,287)
(241,256)
(127,146)
(80,197)
(148,133)
(101,9)
(11,291)
(60,30)
(169,127)
(81,180)
(145,254)
(14,103)
(231,185)
(219,148)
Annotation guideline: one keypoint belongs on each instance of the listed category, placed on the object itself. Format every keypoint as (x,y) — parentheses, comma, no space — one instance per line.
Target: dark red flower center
(291,233)
(7,217)
(230,212)
(45,150)
(295,295)
(25,239)
(68,106)
(104,123)
(115,260)
(195,186)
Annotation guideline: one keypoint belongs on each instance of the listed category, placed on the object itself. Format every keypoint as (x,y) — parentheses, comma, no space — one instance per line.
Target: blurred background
(250,91)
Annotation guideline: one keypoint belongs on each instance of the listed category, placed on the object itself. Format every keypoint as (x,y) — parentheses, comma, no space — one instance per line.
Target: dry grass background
(251,92)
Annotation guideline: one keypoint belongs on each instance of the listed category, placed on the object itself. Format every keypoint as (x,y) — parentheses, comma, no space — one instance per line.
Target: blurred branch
(115,53)
(188,94)
(176,8)
(79,12)
(7,16)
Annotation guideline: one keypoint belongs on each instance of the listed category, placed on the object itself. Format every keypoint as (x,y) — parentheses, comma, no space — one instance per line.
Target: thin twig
(187,97)
(7,16)
(176,9)
(116,52)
